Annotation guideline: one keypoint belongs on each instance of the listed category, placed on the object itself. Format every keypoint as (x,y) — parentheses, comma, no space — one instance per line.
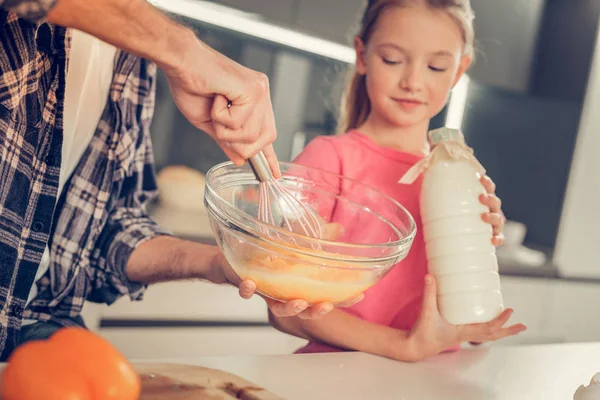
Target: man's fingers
(220,113)
(317,311)
(231,113)
(235,126)
(247,289)
(231,154)
(288,309)
(269,153)
(245,125)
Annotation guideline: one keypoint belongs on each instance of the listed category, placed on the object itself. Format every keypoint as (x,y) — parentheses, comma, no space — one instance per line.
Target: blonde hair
(356,106)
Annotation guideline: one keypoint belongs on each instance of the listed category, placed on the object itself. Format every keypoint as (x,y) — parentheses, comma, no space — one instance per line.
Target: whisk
(271,191)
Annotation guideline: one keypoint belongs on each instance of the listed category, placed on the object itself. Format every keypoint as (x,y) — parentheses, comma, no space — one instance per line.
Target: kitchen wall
(565,49)
(329,19)
(507,33)
(577,250)
(523,119)
(526,143)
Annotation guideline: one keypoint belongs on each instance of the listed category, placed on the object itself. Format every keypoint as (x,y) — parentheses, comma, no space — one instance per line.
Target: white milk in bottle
(459,245)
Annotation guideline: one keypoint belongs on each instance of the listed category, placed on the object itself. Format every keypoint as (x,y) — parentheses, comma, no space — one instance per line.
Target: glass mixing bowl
(365,233)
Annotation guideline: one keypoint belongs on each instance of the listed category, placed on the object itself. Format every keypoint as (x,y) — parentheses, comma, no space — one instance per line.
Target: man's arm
(131,25)
(224,99)
(166,258)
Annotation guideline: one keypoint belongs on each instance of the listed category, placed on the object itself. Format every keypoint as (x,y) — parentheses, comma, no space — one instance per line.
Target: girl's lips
(409,104)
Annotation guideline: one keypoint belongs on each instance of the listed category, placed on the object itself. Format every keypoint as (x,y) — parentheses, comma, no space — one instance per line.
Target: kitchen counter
(509,373)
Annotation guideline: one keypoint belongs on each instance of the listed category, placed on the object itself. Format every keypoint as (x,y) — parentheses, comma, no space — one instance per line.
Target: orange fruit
(110,373)
(74,364)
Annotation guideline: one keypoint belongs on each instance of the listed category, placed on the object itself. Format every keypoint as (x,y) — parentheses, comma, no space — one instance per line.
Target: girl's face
(412,60)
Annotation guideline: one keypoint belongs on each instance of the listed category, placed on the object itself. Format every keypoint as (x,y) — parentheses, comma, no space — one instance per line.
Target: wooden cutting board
(186,382)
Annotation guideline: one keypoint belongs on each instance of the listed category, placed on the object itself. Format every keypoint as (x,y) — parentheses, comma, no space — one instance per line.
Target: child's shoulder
(339,144)
(328,152)
(344,138)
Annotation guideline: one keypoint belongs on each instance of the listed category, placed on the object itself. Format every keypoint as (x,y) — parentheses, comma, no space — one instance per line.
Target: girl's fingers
(492,201)
(496,221)
(488,184)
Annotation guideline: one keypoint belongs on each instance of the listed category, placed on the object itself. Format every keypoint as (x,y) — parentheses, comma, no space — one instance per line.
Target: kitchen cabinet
(207,303)
(143,343)
(573,314)
(191,301)
(554,310)
(530,298)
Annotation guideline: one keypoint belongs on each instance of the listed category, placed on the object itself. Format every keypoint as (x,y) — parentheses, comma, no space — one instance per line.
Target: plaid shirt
(100,216)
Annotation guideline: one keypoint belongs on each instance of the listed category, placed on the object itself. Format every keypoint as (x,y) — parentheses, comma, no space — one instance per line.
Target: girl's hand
(495,217)
(432,335)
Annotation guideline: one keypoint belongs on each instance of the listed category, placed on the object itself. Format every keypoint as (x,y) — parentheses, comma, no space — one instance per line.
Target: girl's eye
(434,69)
(390,62)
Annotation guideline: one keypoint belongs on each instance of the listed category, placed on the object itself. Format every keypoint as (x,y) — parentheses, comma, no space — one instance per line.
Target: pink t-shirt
(395,301)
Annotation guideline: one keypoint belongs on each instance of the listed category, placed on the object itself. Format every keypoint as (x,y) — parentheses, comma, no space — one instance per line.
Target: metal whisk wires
(292,214)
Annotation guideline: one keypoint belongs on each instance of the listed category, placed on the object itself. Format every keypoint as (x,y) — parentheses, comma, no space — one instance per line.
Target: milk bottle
(459,248)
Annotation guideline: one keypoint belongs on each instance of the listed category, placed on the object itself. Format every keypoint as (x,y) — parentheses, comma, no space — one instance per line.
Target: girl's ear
(361,59)
(465,63)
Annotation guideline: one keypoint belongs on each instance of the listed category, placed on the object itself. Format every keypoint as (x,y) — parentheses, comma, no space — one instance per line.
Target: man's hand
(226,100)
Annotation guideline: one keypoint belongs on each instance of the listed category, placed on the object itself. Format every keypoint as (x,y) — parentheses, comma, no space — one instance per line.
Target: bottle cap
(445,135)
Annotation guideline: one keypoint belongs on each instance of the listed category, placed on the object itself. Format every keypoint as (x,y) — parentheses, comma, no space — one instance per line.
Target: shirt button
(50,159)
(37,226)
(18,310)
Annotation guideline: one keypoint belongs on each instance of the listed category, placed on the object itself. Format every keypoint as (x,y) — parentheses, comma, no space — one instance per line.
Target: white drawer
(140,343)
(190,301)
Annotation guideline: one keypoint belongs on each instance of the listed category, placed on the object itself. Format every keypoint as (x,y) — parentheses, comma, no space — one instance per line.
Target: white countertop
(501,373)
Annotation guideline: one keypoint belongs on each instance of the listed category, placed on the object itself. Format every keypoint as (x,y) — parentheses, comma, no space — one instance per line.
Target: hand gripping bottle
(459,246)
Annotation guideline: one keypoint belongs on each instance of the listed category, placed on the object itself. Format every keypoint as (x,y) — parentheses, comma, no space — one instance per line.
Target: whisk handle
(260,167)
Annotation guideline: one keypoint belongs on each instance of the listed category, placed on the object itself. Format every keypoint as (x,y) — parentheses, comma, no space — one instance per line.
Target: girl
(410,53)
